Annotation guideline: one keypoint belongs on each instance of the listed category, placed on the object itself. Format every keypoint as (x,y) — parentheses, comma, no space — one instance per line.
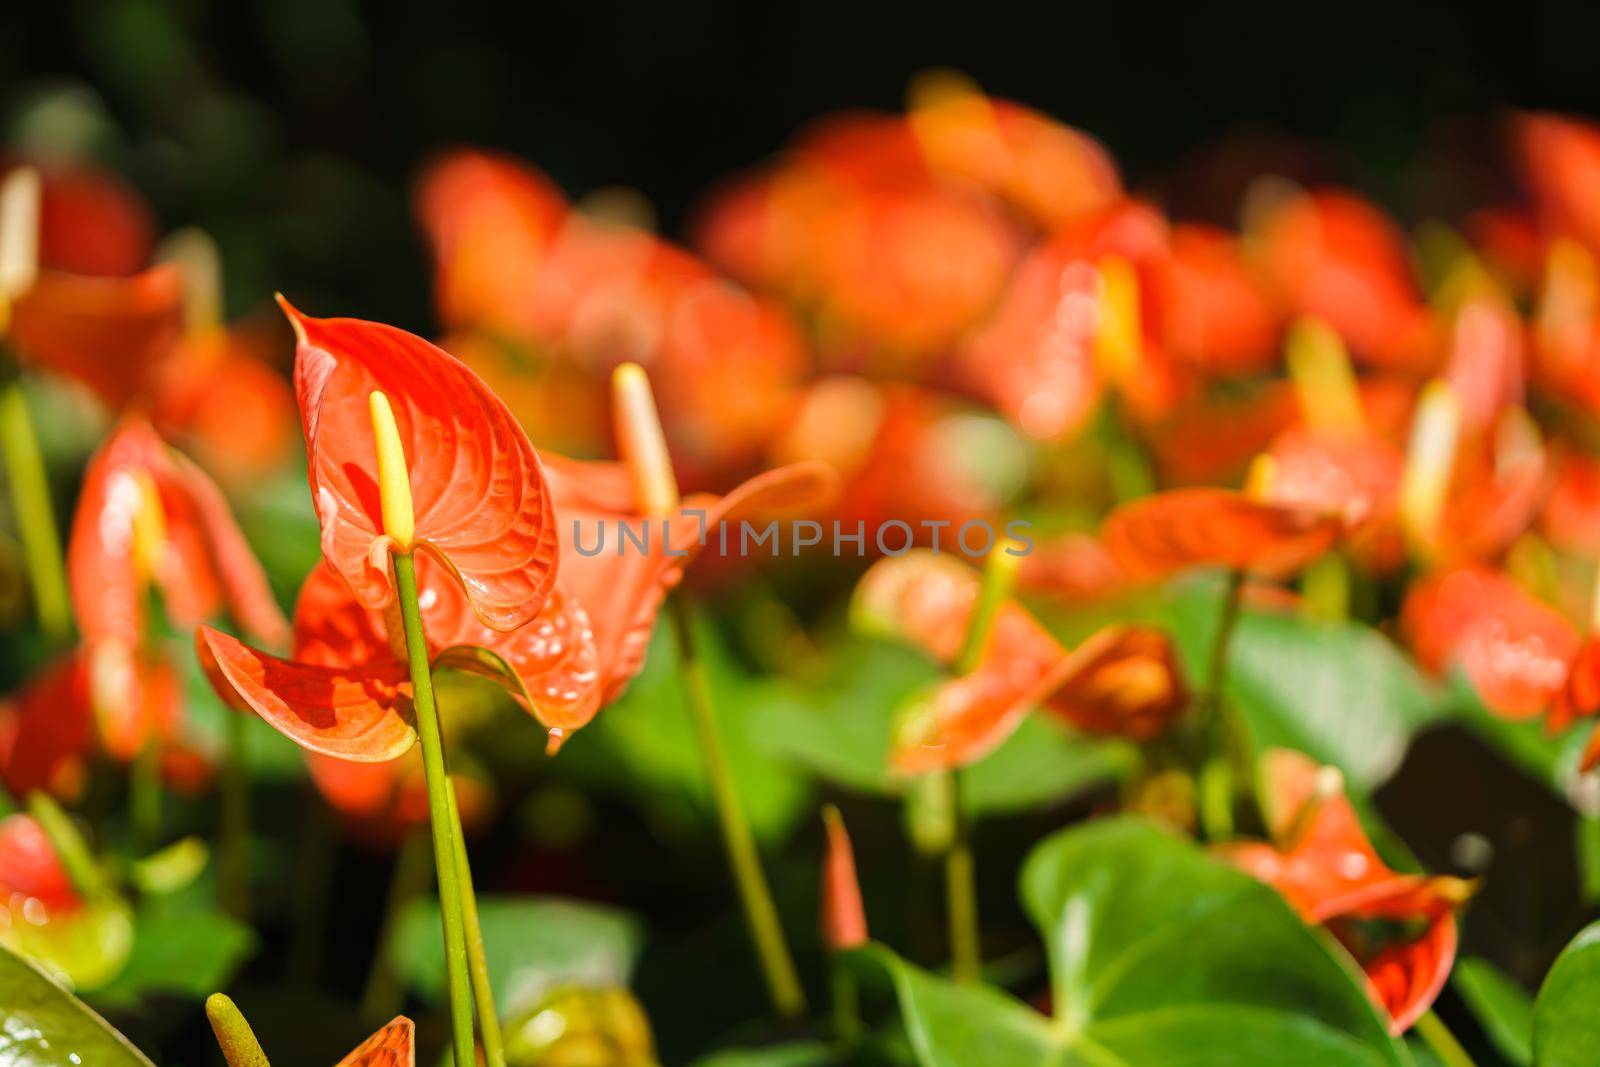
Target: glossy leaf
(1565,1030)
(1158,954)
(795,1054)
(533,944)
(1502,1007)
(46,1026)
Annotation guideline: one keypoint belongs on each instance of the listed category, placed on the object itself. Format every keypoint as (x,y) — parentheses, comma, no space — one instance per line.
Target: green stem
(960,873)
(961,895)
(384,995)
(846,1008)
(69,845)
(234,858)
(438,782)
(1216,770)
(477,962)
(234,1036)
(761,915)
(36,522)
(1443,1043)
(144,784)
(1588,834)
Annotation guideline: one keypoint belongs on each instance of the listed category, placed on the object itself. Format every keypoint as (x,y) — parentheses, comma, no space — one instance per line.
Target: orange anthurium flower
(1161,534)
(622,586)
(1218,312)
(1570,519)
(346,691)
(392,1046)
(111,334)
(1514,649)
(115,704)
(31,871)
(1123,681)
(148,516)
(515,261)
(1324,866)
(844,919)
(1051,172)
(383,801)
(1560,158)
(1334,256)
(483,508)
(90,221)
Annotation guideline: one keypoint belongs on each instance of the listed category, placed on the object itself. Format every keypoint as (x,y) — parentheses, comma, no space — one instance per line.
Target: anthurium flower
(1161,534)
(392,1046)
(1123,681)
(44,917)
(904,454)
(148,517)
(1560,161)
(382,802)
(844,919)
(1333,255)
(516,262)
(1570,518)
(482,506)
(345,691)
(1051,172)
(90,221)
(1514,649)
(1322,863)
(622,587)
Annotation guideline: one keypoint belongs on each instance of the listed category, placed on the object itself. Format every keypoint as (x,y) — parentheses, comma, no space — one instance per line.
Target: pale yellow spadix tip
(1258,482)
(641,442)
(20,197)
(149,526)
(1324,383)
(197,257)
(394,480)
(1430,462)
(1118,344)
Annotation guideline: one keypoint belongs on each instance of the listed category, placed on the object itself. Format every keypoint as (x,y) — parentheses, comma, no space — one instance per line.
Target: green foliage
(183,954)
(1158,954)
(1566,1026)
(532,944)
(45,1026)
(1503,1008)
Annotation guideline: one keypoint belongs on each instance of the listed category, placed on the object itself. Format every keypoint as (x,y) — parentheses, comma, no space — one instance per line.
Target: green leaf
(842,732)
(1340,692)
(183,954)
(1566,1027)
(45,1026)
(532,944)
(1501,1006)
(1159,954)
(794,1054)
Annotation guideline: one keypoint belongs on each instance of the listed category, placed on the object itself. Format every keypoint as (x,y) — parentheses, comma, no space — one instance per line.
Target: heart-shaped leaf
(794,1054)
(45,1026)
(1566,1030)
(1159,954)
(188,954)
(1503,1008)
(532,944)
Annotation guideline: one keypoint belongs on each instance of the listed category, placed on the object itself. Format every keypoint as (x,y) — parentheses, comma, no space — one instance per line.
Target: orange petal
(357,713)
(1406,978)
(1514,649)
(1217,312)
(1335,256)
(392,1046)
(1165,533)
(1560,159)
(111,334)
(482,505)
(1123,681)
(844,919)
(47,731)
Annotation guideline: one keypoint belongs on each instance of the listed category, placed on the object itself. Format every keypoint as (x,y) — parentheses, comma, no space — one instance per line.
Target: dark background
(291,128)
